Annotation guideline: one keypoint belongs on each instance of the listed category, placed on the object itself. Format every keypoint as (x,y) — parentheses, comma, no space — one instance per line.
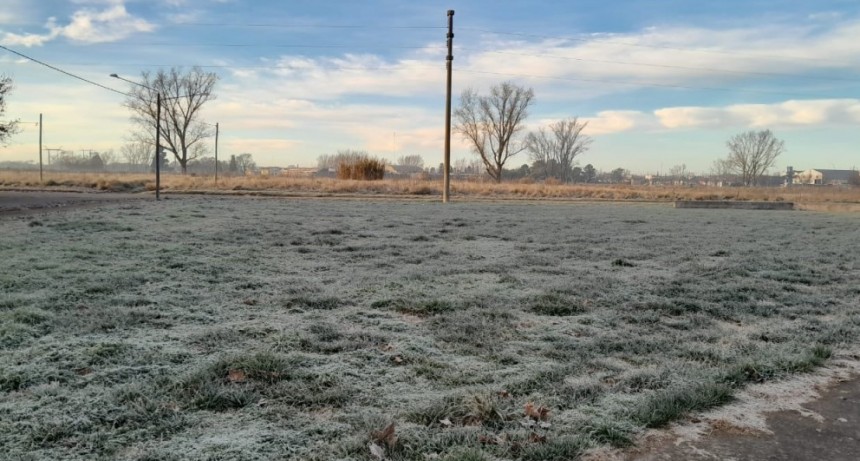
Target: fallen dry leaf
(488,440)
(540,413)
(537,438)
(504,394)
(388,347)
(446,422)
(398,359)
(385,436)
(236,376)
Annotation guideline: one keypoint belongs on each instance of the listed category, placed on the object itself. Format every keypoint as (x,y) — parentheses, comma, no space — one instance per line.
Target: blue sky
(660,82)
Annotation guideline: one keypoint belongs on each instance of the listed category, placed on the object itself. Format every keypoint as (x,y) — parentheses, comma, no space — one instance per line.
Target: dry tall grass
(363,169)
(412,187)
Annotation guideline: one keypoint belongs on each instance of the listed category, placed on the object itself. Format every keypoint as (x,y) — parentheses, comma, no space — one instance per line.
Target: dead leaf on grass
(385,437)
(537,438)
(398,359)
(236,376)
(492,439)
(487,440)
(446,422)
(537,413)
(504,394)
(387,348)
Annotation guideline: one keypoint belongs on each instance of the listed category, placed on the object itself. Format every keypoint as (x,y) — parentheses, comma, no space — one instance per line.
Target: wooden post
(446,192)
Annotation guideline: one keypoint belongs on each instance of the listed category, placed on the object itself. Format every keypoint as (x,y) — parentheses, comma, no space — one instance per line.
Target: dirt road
(15,202)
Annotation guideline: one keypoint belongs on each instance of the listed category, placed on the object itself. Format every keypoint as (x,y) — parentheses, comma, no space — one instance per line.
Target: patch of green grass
(326,338)
(421,308)
(775,365)
(670,404)
(484,409)
(622,263)
(481,331)
(564,448)
(556,304)
(466,454)
(618,434)
(314,302)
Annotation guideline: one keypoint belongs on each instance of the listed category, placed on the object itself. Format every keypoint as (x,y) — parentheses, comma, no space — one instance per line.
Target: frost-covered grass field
(238,328)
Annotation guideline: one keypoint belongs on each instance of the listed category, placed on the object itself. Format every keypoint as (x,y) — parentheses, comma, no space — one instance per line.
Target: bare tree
(678,173)
(108,156)
(415,161)
(245,163)
(490,123)
(752,153)
(7,128)
(557,147)
(137,152)
(183,96)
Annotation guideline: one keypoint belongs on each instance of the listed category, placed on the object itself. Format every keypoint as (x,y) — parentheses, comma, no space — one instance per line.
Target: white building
(821,177)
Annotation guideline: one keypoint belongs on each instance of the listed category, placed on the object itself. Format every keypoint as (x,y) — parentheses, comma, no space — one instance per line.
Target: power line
(631,63)
(646,84)
(302,26)
(674,66)
(274,45)
(476,71)
(642,45)
(63,71)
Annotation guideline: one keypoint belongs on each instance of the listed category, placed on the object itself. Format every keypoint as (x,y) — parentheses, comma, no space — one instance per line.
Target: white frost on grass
(114,322)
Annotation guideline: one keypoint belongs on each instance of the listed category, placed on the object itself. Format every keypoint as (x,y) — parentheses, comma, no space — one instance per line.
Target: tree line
(492,124)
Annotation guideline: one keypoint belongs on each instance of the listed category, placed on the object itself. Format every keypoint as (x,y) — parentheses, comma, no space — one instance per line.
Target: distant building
(270,171)
(822,177)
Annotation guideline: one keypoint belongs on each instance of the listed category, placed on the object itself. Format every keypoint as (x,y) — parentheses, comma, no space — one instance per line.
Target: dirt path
(17,202)
(830,431)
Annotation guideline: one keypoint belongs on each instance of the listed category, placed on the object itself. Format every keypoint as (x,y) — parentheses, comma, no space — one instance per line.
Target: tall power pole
(41,179)
(449,61)
(216,154)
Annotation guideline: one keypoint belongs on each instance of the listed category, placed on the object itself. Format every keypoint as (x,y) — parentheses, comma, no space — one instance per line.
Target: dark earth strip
(795,437)
(15,202)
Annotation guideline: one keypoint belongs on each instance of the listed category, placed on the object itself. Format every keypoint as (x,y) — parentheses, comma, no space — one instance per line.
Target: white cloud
(112,24)
(28,40)
(785,114)
(109,24)
(616,121)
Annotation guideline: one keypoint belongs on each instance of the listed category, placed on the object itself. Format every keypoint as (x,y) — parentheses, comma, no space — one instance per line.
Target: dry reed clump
(362,168)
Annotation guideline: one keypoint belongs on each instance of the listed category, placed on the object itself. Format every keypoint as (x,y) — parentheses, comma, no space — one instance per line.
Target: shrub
(362,168)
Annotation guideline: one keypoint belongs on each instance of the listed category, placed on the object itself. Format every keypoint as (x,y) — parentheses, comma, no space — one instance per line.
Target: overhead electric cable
(302,26)
(643,45)
(646,84)
(63,71)
(674,66)
(272,45)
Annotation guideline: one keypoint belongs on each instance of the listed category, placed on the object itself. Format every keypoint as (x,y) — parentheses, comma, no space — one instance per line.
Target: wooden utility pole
(216,154)
(157,146)
(449,61)
(41,178)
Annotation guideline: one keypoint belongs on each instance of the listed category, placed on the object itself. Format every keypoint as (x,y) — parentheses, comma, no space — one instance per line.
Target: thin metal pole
(41,178)
(158,146)
(449,61)
(216,154)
